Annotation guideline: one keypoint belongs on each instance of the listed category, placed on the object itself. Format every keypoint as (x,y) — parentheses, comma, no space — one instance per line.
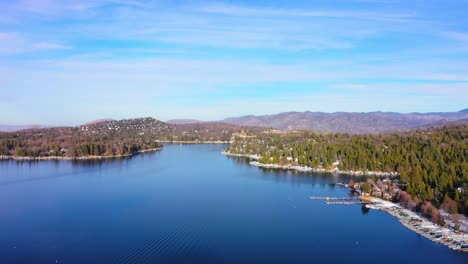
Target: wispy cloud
(10,43)
(334,55)
(50,46)
(14,43)
(60,7)
(401,88)
(457,35)
(223,25)
(235,10)
(239,26)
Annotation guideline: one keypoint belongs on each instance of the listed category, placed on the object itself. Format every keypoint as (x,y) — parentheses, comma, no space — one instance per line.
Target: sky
(66,62)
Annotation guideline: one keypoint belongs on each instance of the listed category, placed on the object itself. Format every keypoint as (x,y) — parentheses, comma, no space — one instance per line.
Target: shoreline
(42,158)
(29,158)
(408,218)
(420,225)
(256,157)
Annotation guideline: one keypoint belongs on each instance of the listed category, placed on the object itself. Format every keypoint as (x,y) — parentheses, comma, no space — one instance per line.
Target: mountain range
(352,123)
(338,122)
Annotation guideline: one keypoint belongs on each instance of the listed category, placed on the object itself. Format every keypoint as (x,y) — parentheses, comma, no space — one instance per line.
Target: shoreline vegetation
(410,219)
(257,157)
(111,138)
(419,224)
(97,157)
(90,157)
(430,165)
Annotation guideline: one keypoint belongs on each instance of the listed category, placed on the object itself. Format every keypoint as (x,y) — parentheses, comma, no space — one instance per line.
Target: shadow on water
(293,176)
(9,168)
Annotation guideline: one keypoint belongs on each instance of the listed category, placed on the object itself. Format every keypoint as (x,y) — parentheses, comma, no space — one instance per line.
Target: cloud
(15,43)
(171,76)
(401,88)
(238,27)
(5,36)
(109,53)
(189,27)
(457,35)
(217,88)
(236,10)
(227,26)
(50,46)
(10,43)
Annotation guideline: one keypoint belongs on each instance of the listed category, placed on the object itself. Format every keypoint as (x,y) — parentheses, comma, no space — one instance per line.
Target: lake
(190,204)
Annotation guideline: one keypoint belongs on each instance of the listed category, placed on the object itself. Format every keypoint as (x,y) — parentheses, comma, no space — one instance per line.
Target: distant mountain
(148,126)
(11,128)
(445,122)
(352,123)
(183,121)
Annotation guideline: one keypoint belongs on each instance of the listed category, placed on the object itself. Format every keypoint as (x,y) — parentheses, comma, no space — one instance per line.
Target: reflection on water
(296,177)
(364,210)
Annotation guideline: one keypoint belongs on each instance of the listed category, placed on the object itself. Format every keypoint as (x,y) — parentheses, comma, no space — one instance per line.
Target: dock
(337,200)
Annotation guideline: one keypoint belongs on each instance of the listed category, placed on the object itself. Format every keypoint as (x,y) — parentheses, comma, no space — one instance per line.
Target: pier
(337,200)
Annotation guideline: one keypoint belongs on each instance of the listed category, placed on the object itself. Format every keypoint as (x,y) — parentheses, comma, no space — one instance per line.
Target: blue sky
(68,62)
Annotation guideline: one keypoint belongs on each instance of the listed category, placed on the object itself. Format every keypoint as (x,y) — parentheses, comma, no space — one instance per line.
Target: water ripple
(183,239)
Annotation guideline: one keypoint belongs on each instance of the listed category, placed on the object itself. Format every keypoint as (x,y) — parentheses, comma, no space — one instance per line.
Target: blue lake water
(190,204)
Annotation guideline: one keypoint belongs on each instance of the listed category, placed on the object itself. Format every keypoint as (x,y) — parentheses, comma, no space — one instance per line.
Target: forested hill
(432,163)
(351,123)
(109,138)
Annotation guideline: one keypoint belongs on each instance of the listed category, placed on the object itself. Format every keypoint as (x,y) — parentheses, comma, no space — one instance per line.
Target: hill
(432,162)
(111,138)
(351,123)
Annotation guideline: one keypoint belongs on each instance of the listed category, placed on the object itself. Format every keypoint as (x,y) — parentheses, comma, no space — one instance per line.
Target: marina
(333,198)
(455,240)
(338,200)
(413,221)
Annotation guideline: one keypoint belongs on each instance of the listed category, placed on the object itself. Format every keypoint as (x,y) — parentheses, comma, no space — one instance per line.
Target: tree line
(432,163)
